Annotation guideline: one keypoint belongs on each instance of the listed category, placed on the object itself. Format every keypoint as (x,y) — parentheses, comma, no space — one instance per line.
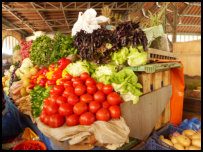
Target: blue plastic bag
(193,124)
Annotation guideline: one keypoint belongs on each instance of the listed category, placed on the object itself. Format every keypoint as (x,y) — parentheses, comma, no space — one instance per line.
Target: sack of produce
(112,134)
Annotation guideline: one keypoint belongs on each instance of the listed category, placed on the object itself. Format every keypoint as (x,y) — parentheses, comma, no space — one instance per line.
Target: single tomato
(56,121)
(52,109)
(68,77)
(68,91)
(80,108)
(75,83)
(72,120)
(99,96)
(113,98)
(68,84)
(62,81)
(58,89)
(42,116)
(61,100)
(107,89)
(46,119)
(90,81)
(84,76)
(53,98)
(103,114)
(86,98)
(65,109)
(94,106)
(75,79)
(73,99)
(87,118)
(80,89)
(91,89)
(115,111)
(99,86)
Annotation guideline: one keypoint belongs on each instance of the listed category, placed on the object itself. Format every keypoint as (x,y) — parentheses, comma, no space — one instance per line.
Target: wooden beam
(52,5)
(64,14)
(69,4)
(40,14)
(48,20)
(18,17)
(175,22)
(8,24)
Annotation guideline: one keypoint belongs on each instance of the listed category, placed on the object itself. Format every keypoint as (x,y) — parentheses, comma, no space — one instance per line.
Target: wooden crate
(155,81)
(154,54)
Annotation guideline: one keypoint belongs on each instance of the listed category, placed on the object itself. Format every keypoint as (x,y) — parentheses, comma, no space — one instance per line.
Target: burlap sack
(112,134)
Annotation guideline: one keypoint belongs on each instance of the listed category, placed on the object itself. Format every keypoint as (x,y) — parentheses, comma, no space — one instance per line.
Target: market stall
(100,87)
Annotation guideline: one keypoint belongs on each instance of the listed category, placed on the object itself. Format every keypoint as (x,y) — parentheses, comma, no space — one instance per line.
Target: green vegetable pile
(45,50)
(131,56)
(38,94)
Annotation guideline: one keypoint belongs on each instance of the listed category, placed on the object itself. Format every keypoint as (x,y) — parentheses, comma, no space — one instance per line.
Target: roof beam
(69,4)
(18,17)
(190,15)
(52,5)
(40,14)
(66,9)
(194,25)
(64,14)
(48,20)
(11,25)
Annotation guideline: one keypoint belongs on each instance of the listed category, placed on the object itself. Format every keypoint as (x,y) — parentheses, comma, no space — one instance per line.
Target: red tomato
(75,83)
(115,111)
(113,98)
(46,100)
(94,106)
(80,108)
(87,118)
(56,121)
(91,89)
(53,98)
(99,96)
(72,120)
(46,119)
(58,89)
(45,106)
(103,114)
(68,91)
(68,84)
(61,100)
(42,116)
(75,79)
(57,74)
(62,81)
(65,109)
(80,89)
(99,86)
(86,98)
(84,76)
(51,91)
(52,109)
(73,99)
(107,89)
(68,77)
(105,104)
(90,81)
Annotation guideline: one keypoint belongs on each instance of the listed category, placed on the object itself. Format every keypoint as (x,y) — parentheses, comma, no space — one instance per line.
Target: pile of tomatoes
(80,101)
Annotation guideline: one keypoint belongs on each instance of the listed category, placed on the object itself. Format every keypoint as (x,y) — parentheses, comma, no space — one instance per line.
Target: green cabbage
(76,69)
(120,57)
(126,83)
(103,73)
(136,58)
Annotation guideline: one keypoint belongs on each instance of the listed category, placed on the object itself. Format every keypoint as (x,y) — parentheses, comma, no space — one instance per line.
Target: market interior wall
(190,55)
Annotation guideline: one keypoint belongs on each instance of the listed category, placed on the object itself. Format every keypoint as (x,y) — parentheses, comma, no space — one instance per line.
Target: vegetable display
(24,48)
(81,103)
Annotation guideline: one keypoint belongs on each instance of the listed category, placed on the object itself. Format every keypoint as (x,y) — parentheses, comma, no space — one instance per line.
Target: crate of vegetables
(178,139)
(153,145)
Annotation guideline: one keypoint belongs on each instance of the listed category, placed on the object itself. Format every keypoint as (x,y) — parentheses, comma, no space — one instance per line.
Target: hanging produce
(25,47)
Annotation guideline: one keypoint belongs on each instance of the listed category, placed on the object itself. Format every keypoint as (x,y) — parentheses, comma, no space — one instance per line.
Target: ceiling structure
(29,17)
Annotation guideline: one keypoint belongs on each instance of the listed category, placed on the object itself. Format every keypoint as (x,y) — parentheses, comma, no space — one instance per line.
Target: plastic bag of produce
(112,134)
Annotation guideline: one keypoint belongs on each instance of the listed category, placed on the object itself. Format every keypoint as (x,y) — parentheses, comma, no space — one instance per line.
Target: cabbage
(76,69)
(136,58)
(121,56)
(126,83)
(103,73)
